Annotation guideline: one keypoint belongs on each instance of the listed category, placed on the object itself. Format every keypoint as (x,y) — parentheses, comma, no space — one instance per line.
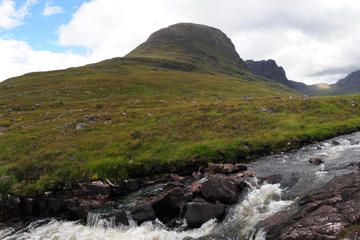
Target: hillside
(147,114)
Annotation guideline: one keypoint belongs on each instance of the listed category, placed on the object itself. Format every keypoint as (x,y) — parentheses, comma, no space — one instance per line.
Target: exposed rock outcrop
(331,212)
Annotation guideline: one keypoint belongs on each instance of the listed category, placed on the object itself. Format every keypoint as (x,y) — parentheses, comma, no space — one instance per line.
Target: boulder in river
(169,204)
(220,188)
(198,213)
(315,160)
(143,212)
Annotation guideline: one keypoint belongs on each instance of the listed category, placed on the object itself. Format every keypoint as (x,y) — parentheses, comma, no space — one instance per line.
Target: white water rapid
(262,201)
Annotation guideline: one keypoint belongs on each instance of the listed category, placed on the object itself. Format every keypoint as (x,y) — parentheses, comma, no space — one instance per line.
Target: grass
(141,118)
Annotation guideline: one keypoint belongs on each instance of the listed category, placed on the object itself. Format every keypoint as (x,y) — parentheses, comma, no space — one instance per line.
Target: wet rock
(315,160)
(143,212)
(220,188)
(192,190)
(42,204)
(28,206)
(336,143)
(240,167)
(72,206)
(169,205)
(118,188)
(134,184)
(176,178)
(79,208)
(325,213)
(121,217)
(227,168)
(99,190)
(55,205)
(273,179)
(198,213)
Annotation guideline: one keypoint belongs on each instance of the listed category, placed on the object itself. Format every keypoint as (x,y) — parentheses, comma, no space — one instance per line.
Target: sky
(314,40)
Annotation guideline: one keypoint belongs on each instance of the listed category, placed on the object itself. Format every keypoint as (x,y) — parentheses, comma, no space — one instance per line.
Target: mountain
(270,70)
(349,85)
(206,47)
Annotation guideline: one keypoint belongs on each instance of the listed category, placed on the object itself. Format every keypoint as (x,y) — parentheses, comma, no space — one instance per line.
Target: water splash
(101,220)
(63,230)
(261,202)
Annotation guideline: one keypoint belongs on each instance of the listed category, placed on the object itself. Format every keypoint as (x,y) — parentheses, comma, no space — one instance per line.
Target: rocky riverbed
(311,193)
(170,198)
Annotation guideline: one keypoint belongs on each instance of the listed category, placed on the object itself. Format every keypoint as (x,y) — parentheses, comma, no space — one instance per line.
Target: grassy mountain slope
(138,116)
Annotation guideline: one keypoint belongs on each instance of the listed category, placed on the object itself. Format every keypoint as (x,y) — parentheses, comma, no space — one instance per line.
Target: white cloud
(17,57)
(52,10)
(10,16)
(304,36)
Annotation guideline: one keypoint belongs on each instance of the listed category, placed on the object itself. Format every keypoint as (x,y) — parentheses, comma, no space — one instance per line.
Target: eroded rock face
(327,213)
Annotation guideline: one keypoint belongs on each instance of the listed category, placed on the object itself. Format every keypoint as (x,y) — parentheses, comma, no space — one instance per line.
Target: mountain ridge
(269,69)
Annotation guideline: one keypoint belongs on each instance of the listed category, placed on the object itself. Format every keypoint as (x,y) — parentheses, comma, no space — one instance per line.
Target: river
(297,176)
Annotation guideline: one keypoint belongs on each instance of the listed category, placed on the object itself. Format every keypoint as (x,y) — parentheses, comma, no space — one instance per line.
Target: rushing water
(261,202)
(296,174)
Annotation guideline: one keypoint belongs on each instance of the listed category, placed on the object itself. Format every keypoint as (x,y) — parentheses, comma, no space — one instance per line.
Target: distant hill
(270,70)
(349,85)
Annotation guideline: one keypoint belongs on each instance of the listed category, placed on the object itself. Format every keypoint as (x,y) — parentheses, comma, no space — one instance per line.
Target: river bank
(289,175)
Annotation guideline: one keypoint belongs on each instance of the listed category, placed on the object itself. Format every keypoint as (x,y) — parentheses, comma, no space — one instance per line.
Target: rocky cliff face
(206,47)
(268,69)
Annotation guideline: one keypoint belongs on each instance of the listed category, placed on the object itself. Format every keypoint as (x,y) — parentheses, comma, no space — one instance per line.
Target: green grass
(202,119)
